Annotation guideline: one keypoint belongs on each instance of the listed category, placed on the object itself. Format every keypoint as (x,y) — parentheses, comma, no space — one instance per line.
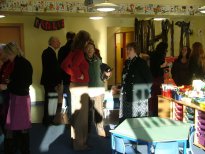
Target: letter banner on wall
(49,25)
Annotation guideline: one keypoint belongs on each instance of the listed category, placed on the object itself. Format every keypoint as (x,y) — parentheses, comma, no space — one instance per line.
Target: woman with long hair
(197,61)
(180,71)
(77,67)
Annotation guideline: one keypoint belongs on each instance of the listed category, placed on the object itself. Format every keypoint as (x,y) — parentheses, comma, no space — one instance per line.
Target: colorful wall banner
(49,25)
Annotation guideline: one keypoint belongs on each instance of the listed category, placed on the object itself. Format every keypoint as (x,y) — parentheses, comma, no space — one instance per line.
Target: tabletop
(153,129)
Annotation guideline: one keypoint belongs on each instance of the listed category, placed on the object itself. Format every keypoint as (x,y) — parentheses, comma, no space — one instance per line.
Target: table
(152,130)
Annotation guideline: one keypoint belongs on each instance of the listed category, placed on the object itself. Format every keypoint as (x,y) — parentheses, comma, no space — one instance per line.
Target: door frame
(123,51)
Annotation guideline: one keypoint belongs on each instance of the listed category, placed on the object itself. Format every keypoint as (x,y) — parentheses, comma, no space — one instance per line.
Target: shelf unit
(186,112)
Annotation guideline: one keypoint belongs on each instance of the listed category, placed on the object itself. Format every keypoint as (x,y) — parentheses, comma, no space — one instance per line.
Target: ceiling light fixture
(95,18)
(202,9)
(159,19)
(106,7)
(2,16)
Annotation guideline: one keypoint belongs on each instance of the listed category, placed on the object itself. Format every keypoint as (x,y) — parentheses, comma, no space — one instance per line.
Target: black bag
(105,68)
(98,117)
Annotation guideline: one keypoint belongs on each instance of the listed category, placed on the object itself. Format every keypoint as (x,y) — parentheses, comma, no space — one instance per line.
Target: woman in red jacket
(76,65)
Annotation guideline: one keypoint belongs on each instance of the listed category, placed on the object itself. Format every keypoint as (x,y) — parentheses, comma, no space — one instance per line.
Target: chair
(126,147)
(192,148)
(191,143)
(119,146)
(189,149)
(166,148)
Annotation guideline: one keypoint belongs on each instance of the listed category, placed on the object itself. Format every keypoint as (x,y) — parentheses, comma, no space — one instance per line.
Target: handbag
(61,117)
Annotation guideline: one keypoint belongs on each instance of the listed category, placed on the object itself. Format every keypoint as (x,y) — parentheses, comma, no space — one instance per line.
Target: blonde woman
(18,120)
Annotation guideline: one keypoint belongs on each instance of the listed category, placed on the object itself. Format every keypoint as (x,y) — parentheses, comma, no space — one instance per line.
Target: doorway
(121,40)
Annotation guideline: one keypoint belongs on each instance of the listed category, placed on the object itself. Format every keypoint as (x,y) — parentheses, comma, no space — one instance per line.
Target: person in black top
(180,71)
(157,66)
(197,61)
(18,119)
(51,75)
(136,78)
(62,53)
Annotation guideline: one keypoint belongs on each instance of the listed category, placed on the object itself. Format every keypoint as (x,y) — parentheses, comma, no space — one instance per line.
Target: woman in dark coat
(135,75)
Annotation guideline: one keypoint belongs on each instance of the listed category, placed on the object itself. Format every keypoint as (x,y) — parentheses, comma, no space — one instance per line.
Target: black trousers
(46,118)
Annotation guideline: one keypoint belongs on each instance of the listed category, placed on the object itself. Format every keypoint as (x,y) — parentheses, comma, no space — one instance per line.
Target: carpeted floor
(55,140)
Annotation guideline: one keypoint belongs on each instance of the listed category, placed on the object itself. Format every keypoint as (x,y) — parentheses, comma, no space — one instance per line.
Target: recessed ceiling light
(159,19)
(2,16)
(95,18)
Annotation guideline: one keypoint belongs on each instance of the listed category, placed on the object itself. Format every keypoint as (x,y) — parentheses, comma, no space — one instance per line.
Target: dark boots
(22,140)
(9,146)
(19,141)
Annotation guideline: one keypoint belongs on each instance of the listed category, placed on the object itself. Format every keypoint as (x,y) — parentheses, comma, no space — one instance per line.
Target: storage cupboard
(186,112)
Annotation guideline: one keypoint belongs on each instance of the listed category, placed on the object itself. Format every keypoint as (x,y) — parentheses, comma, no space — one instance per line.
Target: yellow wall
(36,39)
(102,32)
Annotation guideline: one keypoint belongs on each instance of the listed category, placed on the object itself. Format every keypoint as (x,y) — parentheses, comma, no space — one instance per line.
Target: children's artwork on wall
(81,7)
(38,6)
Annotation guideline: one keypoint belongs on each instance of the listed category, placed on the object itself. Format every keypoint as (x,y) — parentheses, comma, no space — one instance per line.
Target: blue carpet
(55,139)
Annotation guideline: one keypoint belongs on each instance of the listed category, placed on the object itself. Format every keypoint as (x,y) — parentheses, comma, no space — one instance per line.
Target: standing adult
(51,75)
(157,65)
(77,66)
(6,67)
(197,61)
(18,121)
(62,53)
(96,86)
(180,71)
(136,73)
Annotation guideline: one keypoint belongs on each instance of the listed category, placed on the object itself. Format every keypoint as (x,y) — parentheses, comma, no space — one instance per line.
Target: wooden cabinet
(186,112)
(164,108)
